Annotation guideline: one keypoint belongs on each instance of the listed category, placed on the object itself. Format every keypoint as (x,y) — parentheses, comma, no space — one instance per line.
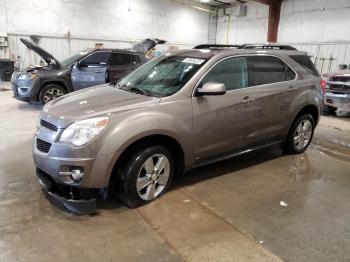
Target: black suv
(83,69)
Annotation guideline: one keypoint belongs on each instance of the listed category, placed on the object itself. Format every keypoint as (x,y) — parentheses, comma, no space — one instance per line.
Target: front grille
(339,79)
(42,145)
(48,125)
(339,87)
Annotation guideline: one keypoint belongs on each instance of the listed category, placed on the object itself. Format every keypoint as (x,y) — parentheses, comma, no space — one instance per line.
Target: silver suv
(182,110)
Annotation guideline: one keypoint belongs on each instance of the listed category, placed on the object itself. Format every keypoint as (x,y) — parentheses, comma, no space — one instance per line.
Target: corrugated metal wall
(61,47)
(327,56)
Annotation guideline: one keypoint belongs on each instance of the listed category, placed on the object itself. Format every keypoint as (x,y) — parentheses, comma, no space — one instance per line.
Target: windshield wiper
(133,89)
(139,91)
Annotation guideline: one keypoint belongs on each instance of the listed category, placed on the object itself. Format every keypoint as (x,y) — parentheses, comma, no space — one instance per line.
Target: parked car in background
(182,110)
(81,70)
(337,91)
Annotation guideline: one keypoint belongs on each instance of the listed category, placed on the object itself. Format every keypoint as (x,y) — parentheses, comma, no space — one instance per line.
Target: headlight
(28,76)
(81,132)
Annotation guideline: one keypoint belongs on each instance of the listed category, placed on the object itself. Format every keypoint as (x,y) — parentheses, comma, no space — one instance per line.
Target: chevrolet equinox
(182,110)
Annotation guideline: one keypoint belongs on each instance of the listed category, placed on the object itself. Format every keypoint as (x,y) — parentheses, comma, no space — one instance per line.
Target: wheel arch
(167,141)
(53,82)
(308,109)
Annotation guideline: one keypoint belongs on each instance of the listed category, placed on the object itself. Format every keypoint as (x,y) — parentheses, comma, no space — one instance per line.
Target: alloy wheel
(302,134)
(52,93)
(153,177)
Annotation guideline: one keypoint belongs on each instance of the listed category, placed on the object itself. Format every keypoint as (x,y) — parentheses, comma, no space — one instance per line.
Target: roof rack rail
(267,46)
(213,46)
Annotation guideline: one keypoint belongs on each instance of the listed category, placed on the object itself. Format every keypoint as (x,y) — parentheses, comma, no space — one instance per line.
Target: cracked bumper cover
(68,197)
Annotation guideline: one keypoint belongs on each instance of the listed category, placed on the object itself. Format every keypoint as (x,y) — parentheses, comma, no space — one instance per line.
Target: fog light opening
(74,173)
(77,174)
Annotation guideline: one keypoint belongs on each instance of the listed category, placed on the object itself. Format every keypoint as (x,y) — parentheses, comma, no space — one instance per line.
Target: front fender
(143,124)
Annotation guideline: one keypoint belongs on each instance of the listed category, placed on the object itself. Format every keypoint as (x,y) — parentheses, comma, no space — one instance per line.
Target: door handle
(247,99)
(291,89)
(98,71)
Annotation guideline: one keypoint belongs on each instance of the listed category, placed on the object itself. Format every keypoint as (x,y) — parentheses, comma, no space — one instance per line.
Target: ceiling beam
(274,18)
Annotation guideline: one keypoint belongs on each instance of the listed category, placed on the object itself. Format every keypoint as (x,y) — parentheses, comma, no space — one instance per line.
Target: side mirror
(212,89)
(76,65)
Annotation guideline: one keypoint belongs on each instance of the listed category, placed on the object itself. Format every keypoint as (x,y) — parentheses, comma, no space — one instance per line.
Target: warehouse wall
(319,27)
(301,21)
(107,21)
(249,29)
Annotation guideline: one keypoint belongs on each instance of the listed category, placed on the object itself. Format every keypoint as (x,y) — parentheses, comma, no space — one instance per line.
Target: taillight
(323,85)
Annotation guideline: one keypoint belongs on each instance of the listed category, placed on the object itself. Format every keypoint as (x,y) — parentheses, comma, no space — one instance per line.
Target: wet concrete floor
(229,211)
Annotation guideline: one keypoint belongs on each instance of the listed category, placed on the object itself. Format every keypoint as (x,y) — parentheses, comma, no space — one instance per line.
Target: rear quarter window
(306,63)
(268,70)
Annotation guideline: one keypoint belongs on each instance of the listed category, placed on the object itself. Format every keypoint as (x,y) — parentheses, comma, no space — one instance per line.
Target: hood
(40,51)
(340,73)
(147,45)
(95,101)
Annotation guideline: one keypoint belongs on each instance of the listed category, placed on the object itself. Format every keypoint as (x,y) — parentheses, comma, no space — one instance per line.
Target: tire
(51,92)
(329,110)
(141,186)
(303,128)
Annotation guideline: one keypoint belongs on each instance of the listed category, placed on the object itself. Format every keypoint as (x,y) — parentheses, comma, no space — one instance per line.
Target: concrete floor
(229,211)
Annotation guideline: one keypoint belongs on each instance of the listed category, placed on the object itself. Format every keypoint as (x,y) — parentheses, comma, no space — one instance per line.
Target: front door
(91,70)
(218,120)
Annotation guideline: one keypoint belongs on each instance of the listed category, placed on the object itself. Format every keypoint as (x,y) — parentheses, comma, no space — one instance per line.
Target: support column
(274,19)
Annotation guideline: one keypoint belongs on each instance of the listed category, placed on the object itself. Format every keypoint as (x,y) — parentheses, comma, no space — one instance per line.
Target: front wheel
(51,92)
(146,175)
(300,134)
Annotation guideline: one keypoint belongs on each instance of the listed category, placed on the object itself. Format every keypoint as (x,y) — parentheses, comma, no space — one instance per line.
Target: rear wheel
(51,92)
(300,134)
(146,175)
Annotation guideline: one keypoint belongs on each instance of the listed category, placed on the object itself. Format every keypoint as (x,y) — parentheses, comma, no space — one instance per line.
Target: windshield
(73,58)
(163,76)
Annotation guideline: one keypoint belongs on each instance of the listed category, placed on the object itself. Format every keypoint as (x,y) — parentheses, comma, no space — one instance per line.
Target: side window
(306,63)
(232,72)
(290,75)
(121,59)
(267,70)
(95,60)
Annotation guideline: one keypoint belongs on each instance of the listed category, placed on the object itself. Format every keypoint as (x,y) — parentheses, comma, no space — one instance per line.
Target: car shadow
(228,166)
(30,107)
(207,172)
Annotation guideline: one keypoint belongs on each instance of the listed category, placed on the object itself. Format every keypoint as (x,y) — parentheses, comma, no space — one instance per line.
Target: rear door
(270,96)
(217,120)
(91,70)
(121,64)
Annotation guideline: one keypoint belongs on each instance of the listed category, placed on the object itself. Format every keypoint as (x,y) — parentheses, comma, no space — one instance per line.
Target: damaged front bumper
(77,201)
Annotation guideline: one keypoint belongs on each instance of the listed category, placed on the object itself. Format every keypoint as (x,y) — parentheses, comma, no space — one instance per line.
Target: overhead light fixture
(203,9)
(205,1)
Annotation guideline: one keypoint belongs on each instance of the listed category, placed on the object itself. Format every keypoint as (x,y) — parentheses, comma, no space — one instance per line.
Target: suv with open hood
(83,69)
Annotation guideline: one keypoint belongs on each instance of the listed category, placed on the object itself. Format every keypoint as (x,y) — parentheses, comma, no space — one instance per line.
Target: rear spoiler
(147,44)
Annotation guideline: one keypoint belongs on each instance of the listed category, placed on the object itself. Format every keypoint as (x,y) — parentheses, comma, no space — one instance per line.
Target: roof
(208,53)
